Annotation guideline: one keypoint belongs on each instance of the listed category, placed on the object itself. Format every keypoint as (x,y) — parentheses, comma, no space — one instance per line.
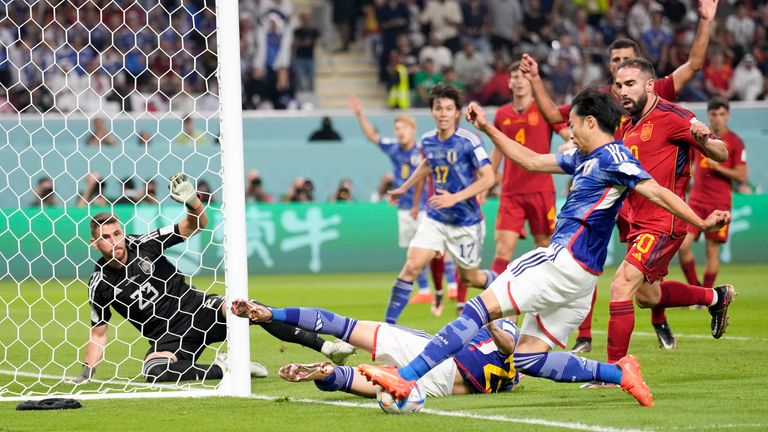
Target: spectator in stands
(149,194)
(440,55)
(273,59)
(305,38)
(496,90)
(344,15)
(399,83)
(93,194)
(718,76)
(451,78)
(144,138)
(371,33)
(386,184)
(582,33)
(343,192)
(423,81)
(639,18)
(44,194)
(254,189)
(475,28)
(407,54)
(204,193)
(589,71)
(748,82)
(99,135)
(506,20)
(326,131)
(444,18)
(471,68)
(129,194)
(741,25)
(394,18)
(656,41)
(561,79)
(190,135)
(564,49)
(301,191)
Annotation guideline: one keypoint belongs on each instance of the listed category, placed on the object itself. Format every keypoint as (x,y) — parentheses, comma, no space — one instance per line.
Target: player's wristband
(197,205)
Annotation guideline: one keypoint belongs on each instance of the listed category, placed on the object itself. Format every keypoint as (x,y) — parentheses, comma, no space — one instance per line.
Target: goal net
(101,101)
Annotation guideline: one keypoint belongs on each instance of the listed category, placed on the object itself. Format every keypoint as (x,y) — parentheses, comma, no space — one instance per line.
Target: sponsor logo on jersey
(451,156)
(146,266)
(646,132)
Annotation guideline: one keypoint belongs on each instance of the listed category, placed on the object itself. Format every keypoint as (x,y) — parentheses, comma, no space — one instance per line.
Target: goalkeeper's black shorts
(208,327)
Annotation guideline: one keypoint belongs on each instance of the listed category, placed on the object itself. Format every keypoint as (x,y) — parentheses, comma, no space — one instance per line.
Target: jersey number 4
(146,294)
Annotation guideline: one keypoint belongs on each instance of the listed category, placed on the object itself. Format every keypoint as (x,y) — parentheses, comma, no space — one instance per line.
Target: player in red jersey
(523,195)
(712,190)
(667,88)
(661,135)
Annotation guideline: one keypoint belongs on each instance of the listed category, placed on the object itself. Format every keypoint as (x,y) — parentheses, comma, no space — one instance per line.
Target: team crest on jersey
(533,118)
(451,156)
(647,131)
(415,159)
(588,166)
(507,121)
(146,265)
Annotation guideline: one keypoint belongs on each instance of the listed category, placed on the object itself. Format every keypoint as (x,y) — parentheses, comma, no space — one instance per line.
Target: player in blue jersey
(553,286)
(460,169)
(483,366)
(405,157)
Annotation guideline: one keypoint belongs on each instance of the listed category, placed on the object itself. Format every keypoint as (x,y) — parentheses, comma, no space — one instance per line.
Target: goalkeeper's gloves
(85,375)
(182,191)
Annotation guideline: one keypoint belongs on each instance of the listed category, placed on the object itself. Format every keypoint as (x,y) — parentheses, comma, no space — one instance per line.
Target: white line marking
(61,378)
(724,426)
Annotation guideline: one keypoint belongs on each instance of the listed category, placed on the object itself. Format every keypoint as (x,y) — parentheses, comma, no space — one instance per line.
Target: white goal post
(100,102)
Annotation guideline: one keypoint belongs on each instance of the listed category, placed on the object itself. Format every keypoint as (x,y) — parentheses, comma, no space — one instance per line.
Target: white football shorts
(407,226)
(551,288)
(464,243)
(395,345)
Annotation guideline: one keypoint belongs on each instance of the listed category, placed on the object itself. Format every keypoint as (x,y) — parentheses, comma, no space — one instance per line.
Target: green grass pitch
(702,385)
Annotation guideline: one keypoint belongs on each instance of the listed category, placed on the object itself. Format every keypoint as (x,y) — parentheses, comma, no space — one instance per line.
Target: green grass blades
(704,384)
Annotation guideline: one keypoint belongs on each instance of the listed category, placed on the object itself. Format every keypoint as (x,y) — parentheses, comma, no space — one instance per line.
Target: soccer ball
(412,404)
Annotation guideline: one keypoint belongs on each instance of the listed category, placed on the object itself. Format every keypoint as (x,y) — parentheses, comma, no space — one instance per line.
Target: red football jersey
(531,130)
(711,187)
(662,141)
(664,88)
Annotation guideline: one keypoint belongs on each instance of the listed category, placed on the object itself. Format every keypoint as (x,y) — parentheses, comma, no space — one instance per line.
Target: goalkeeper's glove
(85,375)
(182,190)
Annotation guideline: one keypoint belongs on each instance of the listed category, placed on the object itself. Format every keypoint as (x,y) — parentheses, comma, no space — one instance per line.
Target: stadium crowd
(159,56)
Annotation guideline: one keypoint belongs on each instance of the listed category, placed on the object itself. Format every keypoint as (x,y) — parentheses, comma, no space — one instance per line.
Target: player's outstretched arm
(739,173)
(547,106)
(698,55)
(714,149)
(368,129)
(485,180)
(420,173)
(183,192)
(672,203)
(521,155)
(94,353)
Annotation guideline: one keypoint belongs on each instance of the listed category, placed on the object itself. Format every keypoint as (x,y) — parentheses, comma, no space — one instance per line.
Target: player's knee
(158,370)
(648,296)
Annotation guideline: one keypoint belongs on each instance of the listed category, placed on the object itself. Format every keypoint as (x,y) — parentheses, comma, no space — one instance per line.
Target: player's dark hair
(639,63)
(600,105)
(622,43)
(442,91)
(101,219)
(718,102)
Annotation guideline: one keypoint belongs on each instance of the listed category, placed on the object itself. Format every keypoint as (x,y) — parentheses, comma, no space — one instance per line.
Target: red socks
(689,269)
(709,279)
(437,267)
(499,265)
(678,294)
(620,327)
(585,329)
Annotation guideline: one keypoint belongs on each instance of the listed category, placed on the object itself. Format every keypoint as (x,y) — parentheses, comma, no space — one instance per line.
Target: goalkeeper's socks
(449,340)
(401,292)
(422,282)
(316,320)
(566,367)
(490,277)
(340,380)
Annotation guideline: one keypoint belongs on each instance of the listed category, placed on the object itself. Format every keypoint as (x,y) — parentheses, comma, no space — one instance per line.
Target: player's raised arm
(525,157)
(547,106)
(672,203)
(696,58)
(714,149)
(368,129)
(183,192)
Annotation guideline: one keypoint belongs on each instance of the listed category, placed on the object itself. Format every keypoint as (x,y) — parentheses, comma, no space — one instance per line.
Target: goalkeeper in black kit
(141,285)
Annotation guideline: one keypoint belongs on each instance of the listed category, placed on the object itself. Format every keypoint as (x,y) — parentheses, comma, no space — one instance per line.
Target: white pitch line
(115,382)
(692,336)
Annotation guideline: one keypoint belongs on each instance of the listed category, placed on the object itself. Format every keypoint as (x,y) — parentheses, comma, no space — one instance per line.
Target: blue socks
(339,380)
(449,340)
(401,292)
(566,367)
(316,320)
(491,276)
(421,281)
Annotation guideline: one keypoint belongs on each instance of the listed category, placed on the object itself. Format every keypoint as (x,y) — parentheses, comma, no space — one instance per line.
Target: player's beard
(637,106)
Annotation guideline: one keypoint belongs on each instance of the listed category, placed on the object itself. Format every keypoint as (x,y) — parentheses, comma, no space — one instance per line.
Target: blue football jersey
(403,164)
(482,365)
(453,163)
(601,181)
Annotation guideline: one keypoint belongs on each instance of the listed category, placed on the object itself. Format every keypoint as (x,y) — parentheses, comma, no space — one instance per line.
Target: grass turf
(702,385)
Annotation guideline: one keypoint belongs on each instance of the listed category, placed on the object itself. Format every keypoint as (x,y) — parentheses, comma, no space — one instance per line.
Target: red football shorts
(538,208)
(651,252)
(704,210)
